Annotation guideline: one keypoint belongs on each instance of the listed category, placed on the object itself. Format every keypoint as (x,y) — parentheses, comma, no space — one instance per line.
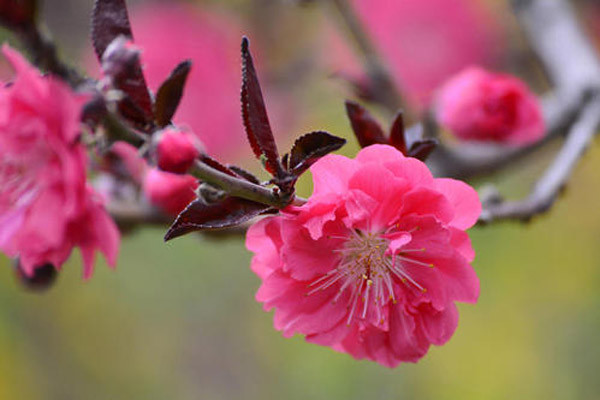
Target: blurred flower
(482,106)
(373,263)
(170,33)
(46,205)
(176,151)
(171,192)
(423,42)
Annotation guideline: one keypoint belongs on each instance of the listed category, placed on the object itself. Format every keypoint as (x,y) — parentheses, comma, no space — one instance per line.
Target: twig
(383,85)
(242,188)
(574,68)
(468,161)
(556,176)
(44,55)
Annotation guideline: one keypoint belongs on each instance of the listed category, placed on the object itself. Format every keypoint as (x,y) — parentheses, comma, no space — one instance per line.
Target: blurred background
(179,320)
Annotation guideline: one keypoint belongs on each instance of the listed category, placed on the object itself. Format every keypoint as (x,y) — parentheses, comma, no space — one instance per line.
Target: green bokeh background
(179,320)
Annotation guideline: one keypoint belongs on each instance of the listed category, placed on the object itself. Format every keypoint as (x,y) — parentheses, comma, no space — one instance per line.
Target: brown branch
(45,56)
(572,65)
(382,84)
(472,160)
(241,188)
(547,189)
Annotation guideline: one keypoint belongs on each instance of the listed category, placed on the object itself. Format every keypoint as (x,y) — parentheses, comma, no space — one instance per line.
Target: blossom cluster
(47,207)
(372,264)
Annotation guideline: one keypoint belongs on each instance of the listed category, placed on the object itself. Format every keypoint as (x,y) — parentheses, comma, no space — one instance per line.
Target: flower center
(370,273)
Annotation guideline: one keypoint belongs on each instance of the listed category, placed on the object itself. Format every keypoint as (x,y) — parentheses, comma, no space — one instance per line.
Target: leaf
(244,174)
(422,148)
(311,147)
(211,162)
(169,94)
(109,22)
(229,169)
(397,138)
(230,212)
(365,127)
(18,13)
(254,114)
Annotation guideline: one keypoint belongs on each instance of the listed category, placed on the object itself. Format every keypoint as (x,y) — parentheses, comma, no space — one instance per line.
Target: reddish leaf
(230,212)
(311,147)
(169,94)
(422,148)
(211,162)
(254,114)
(397,138)
(366,129)
(244,174)
(109,22)
(18,13)
(229,169)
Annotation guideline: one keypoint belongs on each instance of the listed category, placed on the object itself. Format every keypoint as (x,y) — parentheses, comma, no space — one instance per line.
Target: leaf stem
(241,188)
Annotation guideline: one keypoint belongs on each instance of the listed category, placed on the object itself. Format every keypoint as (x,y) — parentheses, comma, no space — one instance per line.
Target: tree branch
(45,56)
(383,86)
(547,189)
(241,188)
(572,65)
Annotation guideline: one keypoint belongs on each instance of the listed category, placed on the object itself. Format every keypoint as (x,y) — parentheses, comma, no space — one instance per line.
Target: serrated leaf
(18,13)
(366,129)
(309,148)
(244,174)
(211,162)
(397,137)
(110,21)
(169,94)
(230,212)
(254,114)
(422,148)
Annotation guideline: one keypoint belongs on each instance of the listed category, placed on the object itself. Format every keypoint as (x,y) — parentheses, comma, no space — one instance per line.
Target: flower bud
(176,151)
(170,192)
(41,279)
(478,105)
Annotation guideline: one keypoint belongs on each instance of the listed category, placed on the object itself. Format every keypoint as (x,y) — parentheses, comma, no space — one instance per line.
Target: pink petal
(463,198)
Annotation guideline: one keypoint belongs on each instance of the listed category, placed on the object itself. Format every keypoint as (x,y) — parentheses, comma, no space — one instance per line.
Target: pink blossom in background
(170,192)
(423,42)
(170,33)
(482,106)
(373,264)
(46,206)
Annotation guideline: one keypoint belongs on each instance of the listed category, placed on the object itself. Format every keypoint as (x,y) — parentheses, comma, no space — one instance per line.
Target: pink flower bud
(482,106)
(176,151)
(170,192)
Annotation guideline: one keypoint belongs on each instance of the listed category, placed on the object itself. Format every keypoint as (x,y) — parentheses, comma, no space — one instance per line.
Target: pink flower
(481,106)
(170,192)
(374,262)
(176,151)
(423,42)
(171,33)
(46,206)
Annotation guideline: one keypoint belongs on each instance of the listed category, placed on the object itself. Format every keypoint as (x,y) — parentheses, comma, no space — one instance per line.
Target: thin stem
(574,67)
(45,56)
(241,188)
(383,85)
(550,185)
